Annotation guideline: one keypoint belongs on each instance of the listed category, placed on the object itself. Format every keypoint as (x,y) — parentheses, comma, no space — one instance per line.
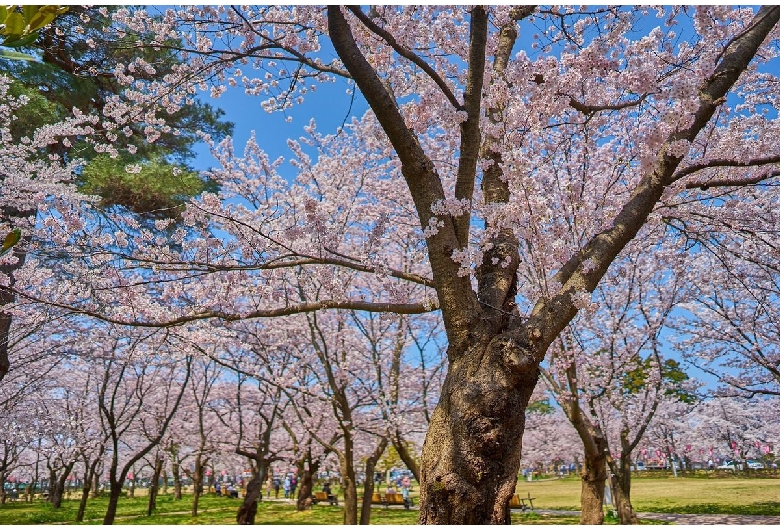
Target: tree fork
(472,450)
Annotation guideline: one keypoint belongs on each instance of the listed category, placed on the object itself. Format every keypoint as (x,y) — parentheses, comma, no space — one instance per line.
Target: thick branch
(457,299)
(498,281)
(469,130)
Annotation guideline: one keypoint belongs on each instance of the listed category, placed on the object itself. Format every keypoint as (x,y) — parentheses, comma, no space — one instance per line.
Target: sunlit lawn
(757,496)
(39,512)
(223,511)
(671,495)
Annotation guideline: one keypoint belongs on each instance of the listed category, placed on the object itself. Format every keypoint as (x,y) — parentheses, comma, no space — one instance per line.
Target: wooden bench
(321,496)
(519,503)
(391,499)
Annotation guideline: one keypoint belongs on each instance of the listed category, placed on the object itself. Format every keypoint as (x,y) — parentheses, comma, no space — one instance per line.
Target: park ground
(704,500)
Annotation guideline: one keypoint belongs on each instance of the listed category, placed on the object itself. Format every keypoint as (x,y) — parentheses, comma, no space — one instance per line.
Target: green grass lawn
(669,495)
(39,512)
(758,496)
(223,511)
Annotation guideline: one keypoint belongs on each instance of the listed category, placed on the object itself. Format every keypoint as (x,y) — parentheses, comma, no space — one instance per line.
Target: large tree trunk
(471,455)
(472,450)
(2,487)
(57,489)
(368,492)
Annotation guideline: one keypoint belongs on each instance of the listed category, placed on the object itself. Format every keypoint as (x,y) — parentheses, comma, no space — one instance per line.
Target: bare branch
(592,109)
(693,168)
(305,307)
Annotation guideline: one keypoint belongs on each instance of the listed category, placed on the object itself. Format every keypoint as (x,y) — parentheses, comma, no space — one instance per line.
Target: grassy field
(669,495)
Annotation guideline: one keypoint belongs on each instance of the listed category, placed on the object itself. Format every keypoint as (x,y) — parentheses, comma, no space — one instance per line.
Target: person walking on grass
(277,485)
(405,485)
(287,487)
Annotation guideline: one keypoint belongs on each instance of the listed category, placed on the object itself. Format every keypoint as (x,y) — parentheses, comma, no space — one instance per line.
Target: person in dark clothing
(331,498)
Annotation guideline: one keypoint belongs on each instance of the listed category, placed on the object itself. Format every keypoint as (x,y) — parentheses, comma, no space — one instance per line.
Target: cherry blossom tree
(28,180)
(731,326)
(138,395)
(610,376)
(549,435)
(509,181)
(736,428)
(250,412)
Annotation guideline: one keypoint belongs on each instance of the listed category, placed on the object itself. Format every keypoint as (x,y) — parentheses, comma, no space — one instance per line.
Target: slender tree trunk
(472,449)
(621,487)
(348,485)
(248,510)
(2,487)
(95,493)
(28,492)
(90,483)
(52,486)
(113,502)
(306,486)
(84,496)
(594,478)
(368,492)
(176,472)
(594,443)
(165,481)
(197,484)
(131,489)
(59,487)
(406,457)
(36,474)
(154,486)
